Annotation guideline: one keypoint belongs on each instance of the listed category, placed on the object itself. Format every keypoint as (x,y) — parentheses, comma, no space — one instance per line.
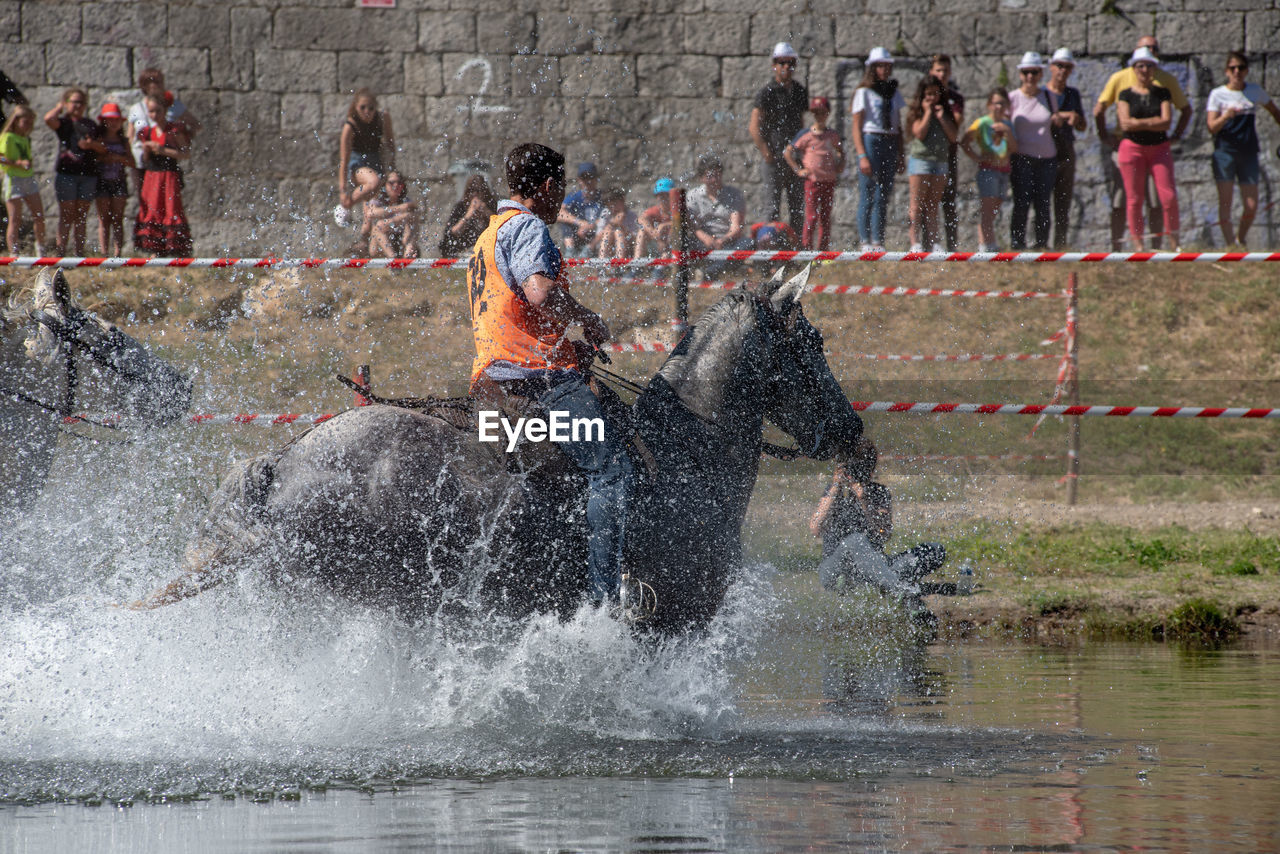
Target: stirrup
(637,601)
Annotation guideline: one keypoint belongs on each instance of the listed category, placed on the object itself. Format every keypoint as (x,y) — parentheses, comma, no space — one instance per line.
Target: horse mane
(716,335)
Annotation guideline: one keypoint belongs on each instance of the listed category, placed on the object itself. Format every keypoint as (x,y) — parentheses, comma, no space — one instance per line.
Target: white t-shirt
(139,119)
(1246,101)
(866,101)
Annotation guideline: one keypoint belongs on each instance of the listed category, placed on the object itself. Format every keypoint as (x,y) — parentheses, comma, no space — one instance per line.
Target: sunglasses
(77,101)
(1237,68)
(1031,71)
(788,63)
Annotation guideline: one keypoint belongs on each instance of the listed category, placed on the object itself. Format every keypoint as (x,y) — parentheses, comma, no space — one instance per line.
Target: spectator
(821,162)
(717,214)
(932,130)
(1119,81)
(366,152)
(469,218)
(75,183)
(940,70)
(777,115)
(774,236)
(1144,113)
(11,93)
(1034,162)
(655,222)
(1067,120)
(151,82)
(617,226)
(19,178)
(995,146)
(877,139)
(113,185)
(394,220)
(1233,110)
(579,212)
(161,227)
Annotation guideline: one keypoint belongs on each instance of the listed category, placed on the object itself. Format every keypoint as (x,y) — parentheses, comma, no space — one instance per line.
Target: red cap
(109,111)
(819,103)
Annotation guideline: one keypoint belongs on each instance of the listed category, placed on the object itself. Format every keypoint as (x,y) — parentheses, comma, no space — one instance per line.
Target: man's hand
(595,330)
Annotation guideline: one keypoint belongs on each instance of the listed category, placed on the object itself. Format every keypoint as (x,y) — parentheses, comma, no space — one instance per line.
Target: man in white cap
(777,115)
(1067,120)
(1121,80)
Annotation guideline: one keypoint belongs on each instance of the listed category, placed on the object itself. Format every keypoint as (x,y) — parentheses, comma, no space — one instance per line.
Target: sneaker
(876,247)
(916,247)
(39,251)
(938,247)
(866,247)
(341,216)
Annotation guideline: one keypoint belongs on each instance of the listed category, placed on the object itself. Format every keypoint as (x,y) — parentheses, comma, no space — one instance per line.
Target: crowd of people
(1023,143)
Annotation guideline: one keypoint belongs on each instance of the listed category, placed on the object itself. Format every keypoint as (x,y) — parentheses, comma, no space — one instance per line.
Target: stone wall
(640,87)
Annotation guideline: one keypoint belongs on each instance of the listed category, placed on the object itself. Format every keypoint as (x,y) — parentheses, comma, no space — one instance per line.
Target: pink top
(1030,117)
(818,153)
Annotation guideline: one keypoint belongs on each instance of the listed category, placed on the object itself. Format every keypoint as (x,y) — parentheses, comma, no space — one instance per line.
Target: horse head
(801,394)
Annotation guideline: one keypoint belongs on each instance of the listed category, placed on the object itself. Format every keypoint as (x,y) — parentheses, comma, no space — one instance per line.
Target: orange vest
(506,327)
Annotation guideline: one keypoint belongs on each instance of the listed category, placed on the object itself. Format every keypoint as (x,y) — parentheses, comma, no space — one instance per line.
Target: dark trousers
(1032,181)
(950,216)
(1064,185)
(778,179)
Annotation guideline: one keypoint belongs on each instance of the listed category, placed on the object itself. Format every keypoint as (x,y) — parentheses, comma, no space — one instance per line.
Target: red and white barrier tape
(1004,357)
(272,419)
(666,261)
(949,458)
(851,290)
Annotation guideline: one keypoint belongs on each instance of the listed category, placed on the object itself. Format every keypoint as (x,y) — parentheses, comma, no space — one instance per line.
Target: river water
(249,719)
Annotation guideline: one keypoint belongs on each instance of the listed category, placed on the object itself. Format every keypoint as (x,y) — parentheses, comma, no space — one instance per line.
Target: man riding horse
(521,311)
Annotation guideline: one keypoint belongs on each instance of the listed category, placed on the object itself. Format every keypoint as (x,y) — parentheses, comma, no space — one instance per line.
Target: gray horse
(53,356)
(395,506)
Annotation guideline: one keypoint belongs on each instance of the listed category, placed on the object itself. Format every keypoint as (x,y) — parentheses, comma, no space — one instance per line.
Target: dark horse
(393,505)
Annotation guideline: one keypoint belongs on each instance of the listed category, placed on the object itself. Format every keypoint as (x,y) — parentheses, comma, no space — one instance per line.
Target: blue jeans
(874,189)
(608,471)
(1032,179)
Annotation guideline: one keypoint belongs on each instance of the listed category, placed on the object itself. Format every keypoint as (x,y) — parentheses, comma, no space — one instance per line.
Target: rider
(521,311)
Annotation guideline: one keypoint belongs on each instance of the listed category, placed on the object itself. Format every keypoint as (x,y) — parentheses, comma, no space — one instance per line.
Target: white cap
(1144,54)
(1031,59)
(879,54)
(784,50)
(1064,55)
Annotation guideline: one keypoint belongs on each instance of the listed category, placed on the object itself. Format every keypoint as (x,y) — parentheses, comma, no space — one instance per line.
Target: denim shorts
(363,161)
(113,188)
(75,188)
(1238,167)
(993,184)
(920,166)
(20,188)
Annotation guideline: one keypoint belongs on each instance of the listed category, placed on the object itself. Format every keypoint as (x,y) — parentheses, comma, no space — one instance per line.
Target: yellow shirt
(1126,78)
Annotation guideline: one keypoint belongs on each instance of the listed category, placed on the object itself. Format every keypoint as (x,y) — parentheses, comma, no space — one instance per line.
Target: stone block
(295,70)
(231,69)
(742,77)
(200,26)
(677,76)
(1111,34)
(125,24)
(754,7)
(612,7)
(446,32)
(345,29)
(507,33)
(639,33)
(381,72)
(250,27)
(408,115)
(856,37)
(51,23)
(1262,31)
(486,79)
(935,34)
(563,119)
(562,33)
(449,116)
(1007,32)
(717,34)
(535,77)
(1066,30)
(1199,32)
(24,63)
(422,74)
(183,67)
(301,111)
(611,76)
(74,65)
(810,35)
(673,121)
(336,106)
(10,21)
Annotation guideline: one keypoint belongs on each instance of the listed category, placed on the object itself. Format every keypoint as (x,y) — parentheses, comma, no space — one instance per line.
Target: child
(113,186)
(932,130)
(75,183)
(366,152)
(996,145)
(617,227)
(161,228)
(19,179)
(655,221)
(822,161)
(394,220)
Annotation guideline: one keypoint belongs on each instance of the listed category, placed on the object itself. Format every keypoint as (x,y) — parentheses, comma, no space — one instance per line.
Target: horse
(52,354)
(409,509)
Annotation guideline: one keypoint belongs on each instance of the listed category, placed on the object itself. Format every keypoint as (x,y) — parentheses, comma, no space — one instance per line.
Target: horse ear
(791,292)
